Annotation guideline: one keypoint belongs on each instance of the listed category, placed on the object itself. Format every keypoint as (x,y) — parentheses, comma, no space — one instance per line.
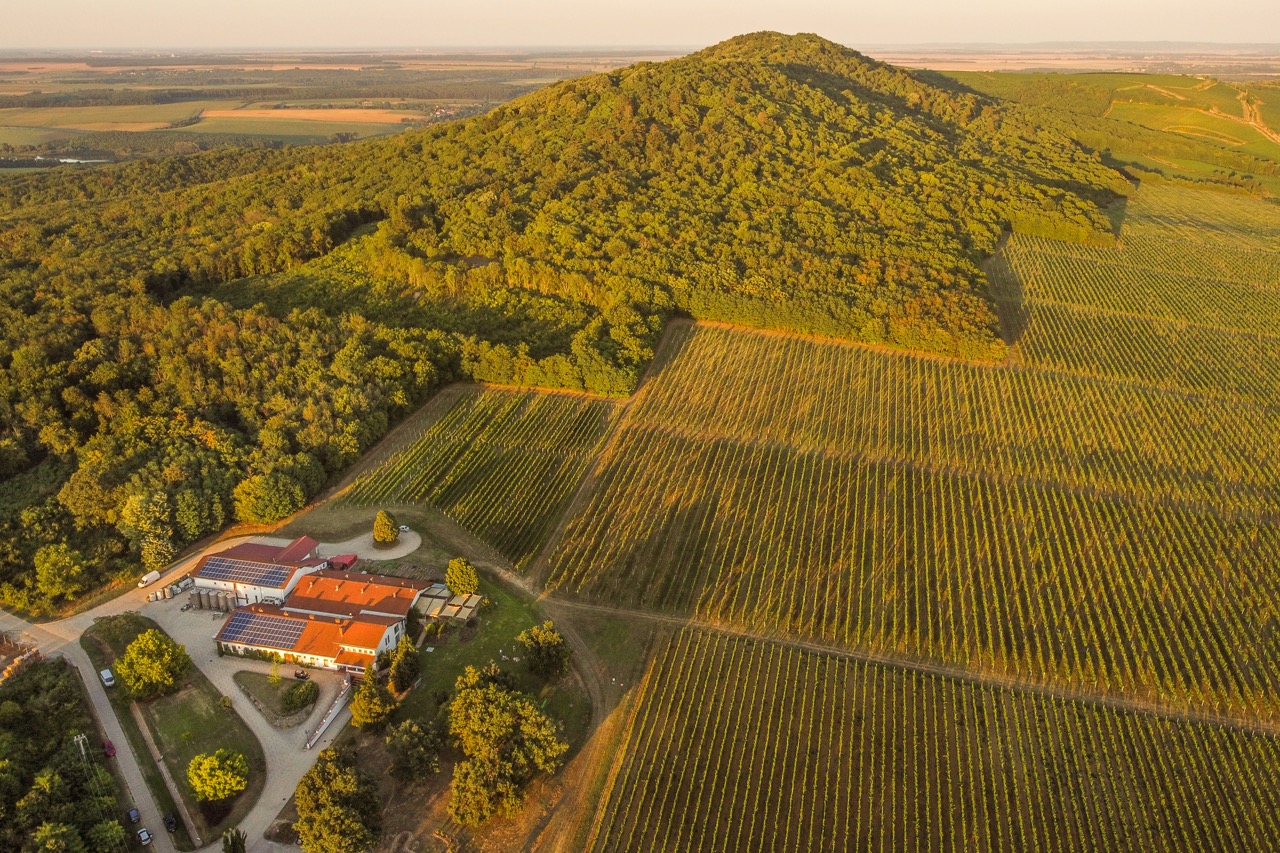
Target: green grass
(495,635)
(183,725)
(102,659)
(335,522)
(1188,120)
(270,692)
(21,136)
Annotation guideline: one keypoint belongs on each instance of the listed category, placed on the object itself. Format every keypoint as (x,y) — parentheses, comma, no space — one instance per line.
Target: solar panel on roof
(245,571)
(260,629)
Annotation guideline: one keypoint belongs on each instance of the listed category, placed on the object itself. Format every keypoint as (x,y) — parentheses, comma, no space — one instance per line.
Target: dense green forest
(52,797)
(196,339)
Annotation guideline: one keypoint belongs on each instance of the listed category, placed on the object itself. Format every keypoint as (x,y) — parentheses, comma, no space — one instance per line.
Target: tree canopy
(461,577)
(415,749)
(50,798)
(219,775)
(152,664)
(338,807)
(506,740)
(372,704)
(385,530)
(405,666)
(546,650)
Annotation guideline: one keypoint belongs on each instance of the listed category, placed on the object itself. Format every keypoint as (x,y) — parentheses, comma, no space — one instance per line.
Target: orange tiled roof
(351,593)
(323,636)
(350,658)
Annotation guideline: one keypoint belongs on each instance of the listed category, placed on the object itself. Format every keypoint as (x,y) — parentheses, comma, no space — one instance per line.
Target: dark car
(108,748)
(134,817)
(301,674)
(170,823)
(144,836)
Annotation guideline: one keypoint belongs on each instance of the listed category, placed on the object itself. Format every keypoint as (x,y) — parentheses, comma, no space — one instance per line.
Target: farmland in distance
(1056,521)
(502,463)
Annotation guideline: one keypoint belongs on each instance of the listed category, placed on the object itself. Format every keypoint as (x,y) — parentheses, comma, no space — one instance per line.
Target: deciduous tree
(385,530)
(405,665)
(59,571)
(461,577)
(219,775)
(373,703)
(546,651)
(415,749)
(338,807)
(506,740)
(152,664)
(264,498)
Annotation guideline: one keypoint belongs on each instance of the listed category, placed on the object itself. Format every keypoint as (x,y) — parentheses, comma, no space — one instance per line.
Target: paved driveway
(287,761)
(287,758)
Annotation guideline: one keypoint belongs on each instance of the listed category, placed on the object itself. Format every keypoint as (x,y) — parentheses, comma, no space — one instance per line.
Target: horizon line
(625,48)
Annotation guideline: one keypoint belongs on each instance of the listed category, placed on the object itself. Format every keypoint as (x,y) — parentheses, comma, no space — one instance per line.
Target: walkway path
(287,761)
(364,547)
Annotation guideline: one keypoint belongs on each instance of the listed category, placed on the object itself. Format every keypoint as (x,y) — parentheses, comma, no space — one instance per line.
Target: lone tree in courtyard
(385,530)
(153,664)
(218,776)
(461,577)
(547,652)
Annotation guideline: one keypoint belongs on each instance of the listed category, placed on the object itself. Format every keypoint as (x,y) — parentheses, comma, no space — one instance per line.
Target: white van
(108,680)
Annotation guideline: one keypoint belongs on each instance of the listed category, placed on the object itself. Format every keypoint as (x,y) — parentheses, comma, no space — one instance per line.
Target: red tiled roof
(297,550)
(352,593)
(252,551)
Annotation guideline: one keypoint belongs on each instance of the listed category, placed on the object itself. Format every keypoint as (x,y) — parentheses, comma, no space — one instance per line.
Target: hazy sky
(470,23)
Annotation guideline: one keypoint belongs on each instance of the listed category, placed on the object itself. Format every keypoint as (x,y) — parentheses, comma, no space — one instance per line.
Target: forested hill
(195,339)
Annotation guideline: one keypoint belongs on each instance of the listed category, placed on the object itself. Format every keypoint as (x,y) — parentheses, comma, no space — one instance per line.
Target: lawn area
(495,636)
(183,725)
(271,696)
(335,522)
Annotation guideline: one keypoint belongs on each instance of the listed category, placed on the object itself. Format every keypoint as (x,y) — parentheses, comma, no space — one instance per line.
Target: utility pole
(91,778)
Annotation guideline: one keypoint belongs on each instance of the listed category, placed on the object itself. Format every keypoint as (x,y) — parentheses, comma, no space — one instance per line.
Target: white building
(256,573)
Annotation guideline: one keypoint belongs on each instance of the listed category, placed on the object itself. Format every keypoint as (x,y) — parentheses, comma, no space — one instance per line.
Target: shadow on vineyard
(1009,296)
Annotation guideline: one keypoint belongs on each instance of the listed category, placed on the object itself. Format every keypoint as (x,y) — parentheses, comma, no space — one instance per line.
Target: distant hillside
(195,339)
(777,181)
(1181,126)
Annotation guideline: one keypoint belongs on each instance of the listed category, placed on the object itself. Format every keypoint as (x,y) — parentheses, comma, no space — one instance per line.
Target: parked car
(108,680)
(134,817)
(404,528)
(144,836)
(301,674)
(170,823)
(108,748)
